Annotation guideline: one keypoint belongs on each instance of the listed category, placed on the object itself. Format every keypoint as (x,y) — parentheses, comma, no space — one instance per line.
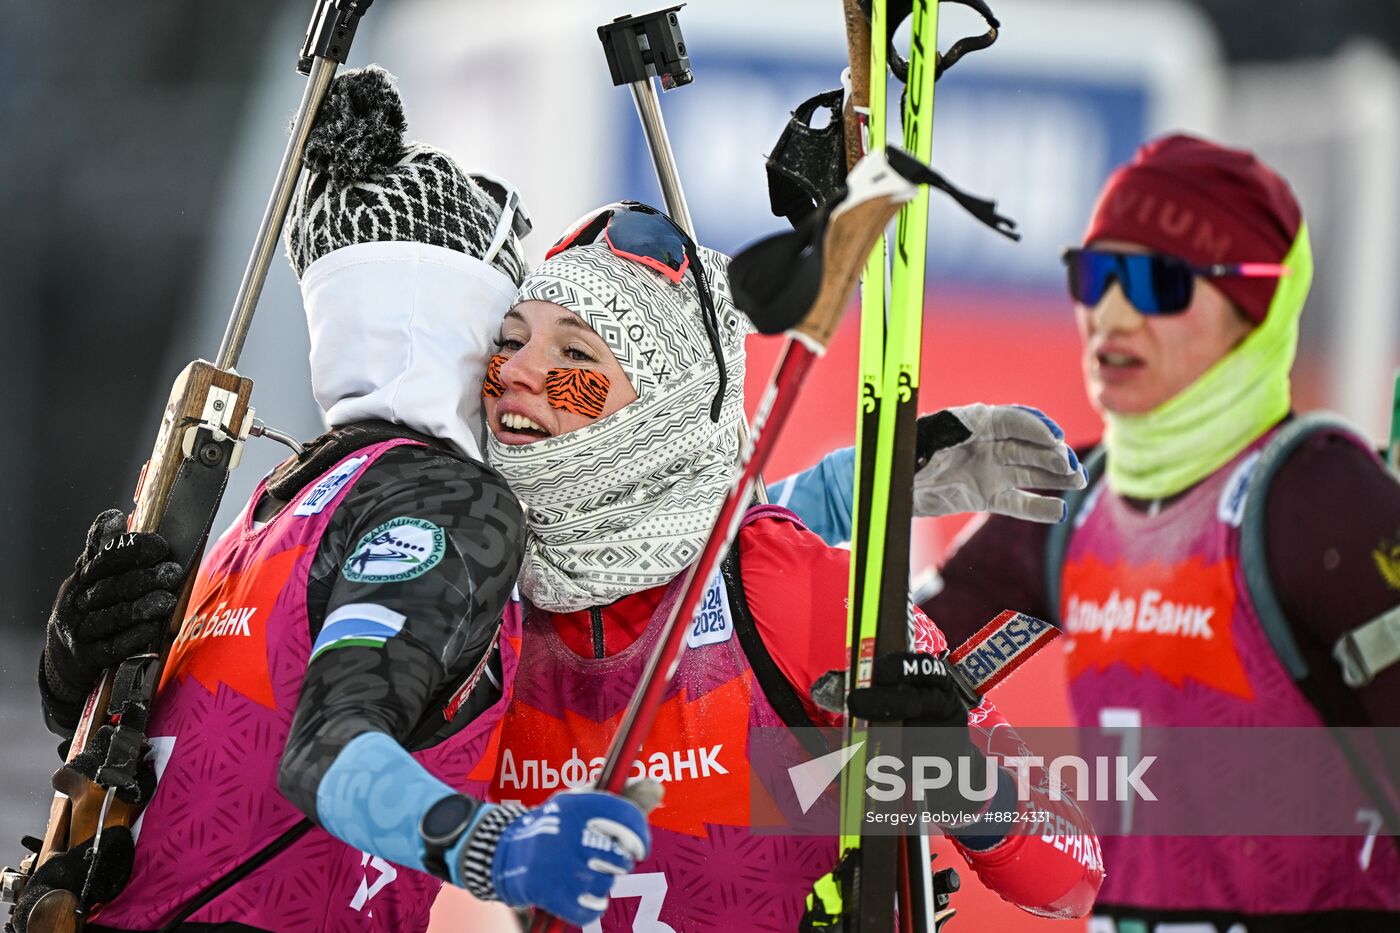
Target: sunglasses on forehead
(1153,284)
(644,235)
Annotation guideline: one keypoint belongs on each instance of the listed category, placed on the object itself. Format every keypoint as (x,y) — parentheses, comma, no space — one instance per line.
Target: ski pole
(876,190)
(634,64)
(877,858)
(890,350)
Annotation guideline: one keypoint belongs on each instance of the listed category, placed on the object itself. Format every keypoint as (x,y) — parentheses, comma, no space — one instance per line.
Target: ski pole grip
(858,48)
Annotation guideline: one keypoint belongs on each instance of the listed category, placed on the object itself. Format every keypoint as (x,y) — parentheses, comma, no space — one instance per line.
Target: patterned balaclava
(388,240)
(626,503)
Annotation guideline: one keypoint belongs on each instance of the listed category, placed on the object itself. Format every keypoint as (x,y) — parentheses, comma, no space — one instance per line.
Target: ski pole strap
(900,10)
(980,208)
(807,166)
(806,173)
(777,280)
(968,43)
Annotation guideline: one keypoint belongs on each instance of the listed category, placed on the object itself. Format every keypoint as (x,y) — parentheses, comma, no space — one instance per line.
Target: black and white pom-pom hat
(407,265)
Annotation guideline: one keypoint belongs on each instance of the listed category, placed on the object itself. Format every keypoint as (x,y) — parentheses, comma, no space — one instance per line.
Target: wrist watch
(441,827)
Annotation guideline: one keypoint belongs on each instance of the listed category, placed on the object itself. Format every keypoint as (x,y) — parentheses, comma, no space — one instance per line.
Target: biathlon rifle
(200,439)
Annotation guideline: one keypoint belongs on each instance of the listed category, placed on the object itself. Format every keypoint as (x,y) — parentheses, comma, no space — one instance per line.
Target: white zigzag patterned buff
(626,503)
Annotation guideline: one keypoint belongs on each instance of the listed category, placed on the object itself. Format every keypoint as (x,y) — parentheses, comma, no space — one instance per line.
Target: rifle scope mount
(638,47)
(332,29)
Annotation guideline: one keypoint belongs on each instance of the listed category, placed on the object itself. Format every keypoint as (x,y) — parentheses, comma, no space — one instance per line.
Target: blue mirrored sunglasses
(1152,283)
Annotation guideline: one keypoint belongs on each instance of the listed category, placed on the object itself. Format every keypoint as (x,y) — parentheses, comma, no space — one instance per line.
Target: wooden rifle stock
(203,428)
(206,421)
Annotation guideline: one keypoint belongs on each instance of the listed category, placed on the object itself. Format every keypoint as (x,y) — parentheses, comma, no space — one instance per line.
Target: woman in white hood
(340,668)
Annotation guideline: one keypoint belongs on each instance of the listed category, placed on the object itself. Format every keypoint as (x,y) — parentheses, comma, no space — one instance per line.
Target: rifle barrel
(270,230)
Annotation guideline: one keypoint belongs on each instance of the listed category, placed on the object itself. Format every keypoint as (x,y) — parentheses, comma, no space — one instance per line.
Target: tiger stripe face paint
(492,386)
(580,391)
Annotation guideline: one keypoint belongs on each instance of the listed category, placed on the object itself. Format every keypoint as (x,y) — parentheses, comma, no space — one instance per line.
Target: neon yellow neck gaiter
(1194,433)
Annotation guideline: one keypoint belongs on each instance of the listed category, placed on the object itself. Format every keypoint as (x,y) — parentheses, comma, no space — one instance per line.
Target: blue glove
(564,855)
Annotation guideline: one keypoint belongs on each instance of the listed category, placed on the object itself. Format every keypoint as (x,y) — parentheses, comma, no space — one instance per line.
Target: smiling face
(1134,362)
(538,337)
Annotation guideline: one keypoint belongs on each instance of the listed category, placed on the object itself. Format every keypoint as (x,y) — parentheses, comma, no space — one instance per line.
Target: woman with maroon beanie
(1187,294)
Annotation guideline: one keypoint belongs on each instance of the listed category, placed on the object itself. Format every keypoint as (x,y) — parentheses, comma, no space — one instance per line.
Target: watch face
(446,819)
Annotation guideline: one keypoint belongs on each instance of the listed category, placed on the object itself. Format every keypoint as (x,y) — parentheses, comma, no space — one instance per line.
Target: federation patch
(398,550)
(362,624)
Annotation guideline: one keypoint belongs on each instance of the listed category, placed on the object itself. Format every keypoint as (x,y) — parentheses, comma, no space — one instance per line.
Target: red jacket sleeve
(1050,865)
(796,588)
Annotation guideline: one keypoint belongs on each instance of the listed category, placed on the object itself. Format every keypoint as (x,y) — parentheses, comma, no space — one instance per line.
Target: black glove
(122,591)
(918,690)
(912,688)
(67,871)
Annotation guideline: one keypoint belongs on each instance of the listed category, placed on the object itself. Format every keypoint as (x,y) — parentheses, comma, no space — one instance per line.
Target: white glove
(983,458)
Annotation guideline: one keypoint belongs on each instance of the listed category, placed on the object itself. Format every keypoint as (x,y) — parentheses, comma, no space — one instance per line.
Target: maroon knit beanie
(1205,203)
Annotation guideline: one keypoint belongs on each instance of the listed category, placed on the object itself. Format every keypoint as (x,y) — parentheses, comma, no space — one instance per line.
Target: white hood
(402,332)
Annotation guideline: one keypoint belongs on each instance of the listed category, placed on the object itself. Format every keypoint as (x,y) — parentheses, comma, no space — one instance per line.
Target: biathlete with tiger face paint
(620,497)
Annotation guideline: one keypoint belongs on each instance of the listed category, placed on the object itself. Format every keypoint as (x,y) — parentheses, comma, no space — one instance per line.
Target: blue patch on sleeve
(357,624)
